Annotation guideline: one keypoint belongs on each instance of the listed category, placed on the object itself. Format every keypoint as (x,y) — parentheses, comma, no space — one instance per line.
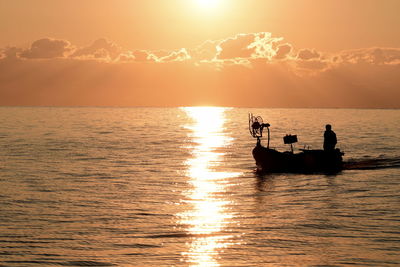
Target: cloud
(47,48)
(373,55)
(307,54)
(283,51)
(265,45)
(10,52)
(312,65)
(250,45)
(312,62)
(154,56)
(236,47)
(179,55)
(207,51)
(127,56)
(142,55)
(253,69)
(99,49)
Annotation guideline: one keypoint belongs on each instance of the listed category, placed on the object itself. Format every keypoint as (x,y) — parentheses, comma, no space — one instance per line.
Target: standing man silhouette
(329,138)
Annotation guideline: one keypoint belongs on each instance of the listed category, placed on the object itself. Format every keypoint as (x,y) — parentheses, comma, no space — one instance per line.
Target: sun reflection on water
(208,217)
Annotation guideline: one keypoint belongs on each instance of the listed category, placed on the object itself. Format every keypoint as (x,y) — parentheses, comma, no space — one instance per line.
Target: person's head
(328,127)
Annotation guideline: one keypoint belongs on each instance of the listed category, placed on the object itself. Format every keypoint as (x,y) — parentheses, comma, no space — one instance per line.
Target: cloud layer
(47,48)
(252,69)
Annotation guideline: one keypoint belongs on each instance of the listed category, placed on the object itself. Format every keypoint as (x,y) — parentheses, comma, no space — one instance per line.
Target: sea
(93,186)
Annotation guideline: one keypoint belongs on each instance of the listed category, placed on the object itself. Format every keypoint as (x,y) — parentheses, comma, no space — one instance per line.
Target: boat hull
(308,161)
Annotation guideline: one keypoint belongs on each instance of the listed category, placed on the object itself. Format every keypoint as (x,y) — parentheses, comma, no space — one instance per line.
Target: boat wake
(372,164)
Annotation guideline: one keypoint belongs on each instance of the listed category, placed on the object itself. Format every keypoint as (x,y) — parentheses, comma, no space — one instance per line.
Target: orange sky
(304,53)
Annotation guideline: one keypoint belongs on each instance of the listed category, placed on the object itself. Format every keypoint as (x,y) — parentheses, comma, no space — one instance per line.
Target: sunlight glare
(208,4)
(208,215)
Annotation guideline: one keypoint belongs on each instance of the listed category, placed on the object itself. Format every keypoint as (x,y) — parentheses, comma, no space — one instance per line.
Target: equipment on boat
(256,127)
(307,161)
(290,139)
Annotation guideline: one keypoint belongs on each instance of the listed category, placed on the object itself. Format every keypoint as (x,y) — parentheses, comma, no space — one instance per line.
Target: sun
(208,4)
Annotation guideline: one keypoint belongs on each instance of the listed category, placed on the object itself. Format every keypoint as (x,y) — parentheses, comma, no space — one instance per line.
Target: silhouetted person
(329,138)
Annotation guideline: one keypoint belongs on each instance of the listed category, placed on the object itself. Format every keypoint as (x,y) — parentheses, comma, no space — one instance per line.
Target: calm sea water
(176,187)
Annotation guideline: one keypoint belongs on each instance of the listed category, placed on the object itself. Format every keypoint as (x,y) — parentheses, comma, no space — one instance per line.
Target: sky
(246,53)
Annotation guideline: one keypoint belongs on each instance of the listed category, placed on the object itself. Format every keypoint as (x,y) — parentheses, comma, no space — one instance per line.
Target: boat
(269,160)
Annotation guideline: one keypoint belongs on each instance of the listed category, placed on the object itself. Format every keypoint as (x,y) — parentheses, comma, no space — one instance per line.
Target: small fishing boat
(269,160)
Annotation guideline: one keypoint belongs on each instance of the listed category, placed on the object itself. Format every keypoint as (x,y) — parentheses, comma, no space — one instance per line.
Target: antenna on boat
(256,127)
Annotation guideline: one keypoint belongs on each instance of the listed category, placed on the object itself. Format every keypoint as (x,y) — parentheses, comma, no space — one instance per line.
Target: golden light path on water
(208,217)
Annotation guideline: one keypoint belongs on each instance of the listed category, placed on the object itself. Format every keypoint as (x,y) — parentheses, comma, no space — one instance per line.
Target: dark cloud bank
(248,70)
